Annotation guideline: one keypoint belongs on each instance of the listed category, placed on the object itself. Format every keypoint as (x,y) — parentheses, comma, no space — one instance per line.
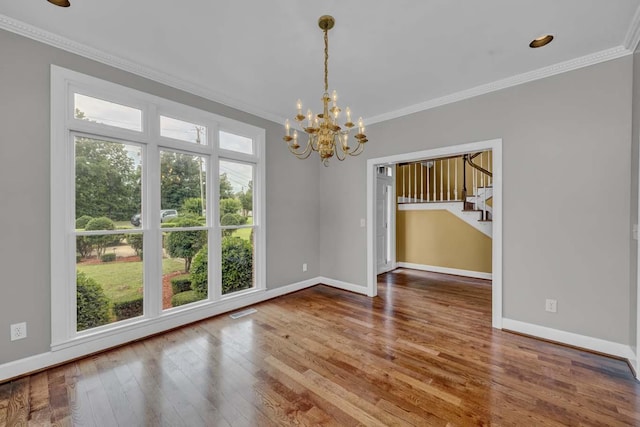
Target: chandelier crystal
(324,134)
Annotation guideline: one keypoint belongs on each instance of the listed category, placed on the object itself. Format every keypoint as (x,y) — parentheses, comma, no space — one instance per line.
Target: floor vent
(243,313)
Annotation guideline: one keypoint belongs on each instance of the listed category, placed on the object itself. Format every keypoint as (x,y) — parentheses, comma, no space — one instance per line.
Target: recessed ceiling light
(61,3)
(539,42)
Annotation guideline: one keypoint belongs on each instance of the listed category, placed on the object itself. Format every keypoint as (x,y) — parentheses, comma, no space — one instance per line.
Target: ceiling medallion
(324,134)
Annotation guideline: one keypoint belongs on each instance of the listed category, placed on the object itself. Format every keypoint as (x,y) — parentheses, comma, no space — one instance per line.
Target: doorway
(495,146)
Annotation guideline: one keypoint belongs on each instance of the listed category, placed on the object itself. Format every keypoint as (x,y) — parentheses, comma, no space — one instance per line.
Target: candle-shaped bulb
(287,126)
(345,139)
(310,117)
(299,106)
(348,111)
(360,125)
(334,96)
(295,137)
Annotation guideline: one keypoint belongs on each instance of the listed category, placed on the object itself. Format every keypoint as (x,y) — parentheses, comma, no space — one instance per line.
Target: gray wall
(567,186)
(291,194)
(635,156)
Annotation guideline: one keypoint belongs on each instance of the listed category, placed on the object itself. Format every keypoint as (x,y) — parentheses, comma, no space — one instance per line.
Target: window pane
(184,267)
(236,193)
(232,142)
(108,279)
(108,113)
(237,260)
(182,189)
(107,181)
(184,131)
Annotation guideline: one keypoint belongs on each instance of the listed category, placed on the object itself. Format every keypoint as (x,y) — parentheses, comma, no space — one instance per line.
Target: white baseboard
(343,285)
(446,270)
(66,353)
(576,340)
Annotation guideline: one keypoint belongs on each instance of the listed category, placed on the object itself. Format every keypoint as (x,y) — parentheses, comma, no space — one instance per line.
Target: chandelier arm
(338,149)
(303,154)
(306,151)
(358,150)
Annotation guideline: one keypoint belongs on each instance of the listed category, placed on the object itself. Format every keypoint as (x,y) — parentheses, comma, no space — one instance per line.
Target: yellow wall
(441,239)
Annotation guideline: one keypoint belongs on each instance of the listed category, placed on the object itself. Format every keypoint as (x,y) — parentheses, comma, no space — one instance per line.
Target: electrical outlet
(551,306)
(363,222)
(304,267)
(18,331)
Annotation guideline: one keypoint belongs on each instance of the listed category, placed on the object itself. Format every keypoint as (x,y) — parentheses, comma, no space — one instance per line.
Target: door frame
(391,226)
(496,146)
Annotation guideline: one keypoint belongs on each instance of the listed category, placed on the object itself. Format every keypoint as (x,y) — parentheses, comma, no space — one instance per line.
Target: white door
(383,214)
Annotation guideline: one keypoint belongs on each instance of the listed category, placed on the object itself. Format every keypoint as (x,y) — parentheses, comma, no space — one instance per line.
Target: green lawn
(244,233)
(122,281)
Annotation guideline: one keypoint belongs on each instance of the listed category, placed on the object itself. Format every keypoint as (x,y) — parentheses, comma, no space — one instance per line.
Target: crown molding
(541,73)
(631,41)
(34,33)
(632,38)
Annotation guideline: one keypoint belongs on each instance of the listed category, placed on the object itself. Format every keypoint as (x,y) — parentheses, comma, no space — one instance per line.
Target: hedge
(180,284)
(186,297)
(110,257)
(128,309)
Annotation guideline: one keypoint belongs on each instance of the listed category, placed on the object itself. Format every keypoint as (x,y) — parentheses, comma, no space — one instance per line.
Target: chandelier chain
(326,61)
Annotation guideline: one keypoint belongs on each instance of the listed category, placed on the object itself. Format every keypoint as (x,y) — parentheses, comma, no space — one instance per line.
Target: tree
(100,242)
(246,199)
(185,244)
(179,178)
(192,205)
(107,182)
(226,189)
(229,206)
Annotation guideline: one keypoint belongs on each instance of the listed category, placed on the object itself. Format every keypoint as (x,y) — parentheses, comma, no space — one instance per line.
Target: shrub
(232,219)
(229,206)
(199,272)
(135,241)
(110,257)
(100,243)
(128,309)
(82,221)
(84,246)
(93,304)
(192,205)
(185,244)
(237,264)
(185,298)
(181,284)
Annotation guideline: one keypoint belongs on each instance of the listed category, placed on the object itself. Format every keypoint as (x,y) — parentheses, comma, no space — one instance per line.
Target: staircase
(461,185)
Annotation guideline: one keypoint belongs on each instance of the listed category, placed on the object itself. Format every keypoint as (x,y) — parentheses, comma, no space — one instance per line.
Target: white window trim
(63,299)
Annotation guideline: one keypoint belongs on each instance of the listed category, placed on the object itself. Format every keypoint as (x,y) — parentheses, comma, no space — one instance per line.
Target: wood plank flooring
(423,353)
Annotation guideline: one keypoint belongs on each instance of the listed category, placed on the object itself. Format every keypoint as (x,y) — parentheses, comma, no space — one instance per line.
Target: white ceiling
(386,57)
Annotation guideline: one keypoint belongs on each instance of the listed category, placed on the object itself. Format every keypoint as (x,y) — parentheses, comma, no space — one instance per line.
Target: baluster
(421,182)
(415,182)
(435,194)
(404,168)
(409,185)
(482,184)
(448,179)
(489,161)
(428,172)
(455,191)
(441,180)
(475,188)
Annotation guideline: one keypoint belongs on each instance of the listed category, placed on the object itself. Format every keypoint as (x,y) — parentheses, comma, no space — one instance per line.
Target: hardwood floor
(423,353)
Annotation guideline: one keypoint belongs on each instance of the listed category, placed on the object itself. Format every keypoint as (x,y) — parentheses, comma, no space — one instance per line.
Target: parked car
(165,215)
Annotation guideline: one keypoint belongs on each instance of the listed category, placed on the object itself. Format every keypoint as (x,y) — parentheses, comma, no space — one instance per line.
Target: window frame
(64,128)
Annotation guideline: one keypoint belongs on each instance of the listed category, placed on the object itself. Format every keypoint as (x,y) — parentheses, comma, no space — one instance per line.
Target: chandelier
(324,134)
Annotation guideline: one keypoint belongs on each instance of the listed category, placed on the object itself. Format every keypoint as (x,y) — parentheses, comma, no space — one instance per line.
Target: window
(152,216)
